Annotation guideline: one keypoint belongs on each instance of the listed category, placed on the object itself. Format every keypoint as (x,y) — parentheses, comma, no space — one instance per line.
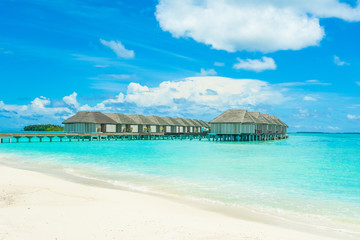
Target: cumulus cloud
(118,48)
(309,98)
(105,105)
(353,117)
(42,110)
(193,96)
(190,96)
(207,72)
(256,65)
(71,100)
(338,62)
(204,93)
(37,111)
(258,25)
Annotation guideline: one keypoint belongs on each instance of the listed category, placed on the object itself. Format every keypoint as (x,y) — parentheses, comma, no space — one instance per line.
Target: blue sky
(299,61)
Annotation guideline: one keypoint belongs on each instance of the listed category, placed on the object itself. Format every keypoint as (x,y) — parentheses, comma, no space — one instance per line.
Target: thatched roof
(187,122)
(168,121)
(161,120)
(183,122)
(242,116)
(234,116)
(269,119)
(90,117)
(155,120)
(140,119)
(276,120)
(282,123)
(172,121)
(120,118)
(204,123)
(194,122)
(198,123)
(258,118)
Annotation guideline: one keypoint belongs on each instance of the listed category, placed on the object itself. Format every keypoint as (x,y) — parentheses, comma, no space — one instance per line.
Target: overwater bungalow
(89,122)
(93,122)
(241,124)
(124,124)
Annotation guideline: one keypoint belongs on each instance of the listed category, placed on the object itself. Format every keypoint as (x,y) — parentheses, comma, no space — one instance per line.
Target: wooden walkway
(246,137)
(69,137)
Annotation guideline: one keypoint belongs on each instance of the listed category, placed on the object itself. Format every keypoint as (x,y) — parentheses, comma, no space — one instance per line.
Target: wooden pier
(70,137)
(246,137)
(78,137)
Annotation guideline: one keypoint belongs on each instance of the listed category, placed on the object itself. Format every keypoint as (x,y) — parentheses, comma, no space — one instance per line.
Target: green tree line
(44,127)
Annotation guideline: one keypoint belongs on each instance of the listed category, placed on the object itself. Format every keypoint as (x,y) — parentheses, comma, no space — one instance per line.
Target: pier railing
(70,137)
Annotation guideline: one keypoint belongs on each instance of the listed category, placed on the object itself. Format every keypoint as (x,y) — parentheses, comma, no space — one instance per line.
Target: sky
(298,60)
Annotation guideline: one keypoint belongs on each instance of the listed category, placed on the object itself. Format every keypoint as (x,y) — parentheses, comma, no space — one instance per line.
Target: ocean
(307,178)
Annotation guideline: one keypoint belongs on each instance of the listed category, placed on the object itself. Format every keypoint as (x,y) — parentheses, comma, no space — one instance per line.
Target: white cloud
(303,113)
(309,98)
(196,94)
(118,48)
(317,82)
(308,82)
(71,100)
(104,105)
(333,128)
(39,107)
(257,25)
(41,110)
(353,117)
(219,64)
(257,65)
(338,62)
(207,72)
(113,77)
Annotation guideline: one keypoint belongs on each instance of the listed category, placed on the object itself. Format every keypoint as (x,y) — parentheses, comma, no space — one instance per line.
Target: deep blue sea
(315,177)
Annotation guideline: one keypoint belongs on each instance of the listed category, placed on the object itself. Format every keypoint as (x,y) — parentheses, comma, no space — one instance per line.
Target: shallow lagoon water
(308,175)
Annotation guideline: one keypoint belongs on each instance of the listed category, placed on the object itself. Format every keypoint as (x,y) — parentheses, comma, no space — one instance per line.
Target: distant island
(44,127)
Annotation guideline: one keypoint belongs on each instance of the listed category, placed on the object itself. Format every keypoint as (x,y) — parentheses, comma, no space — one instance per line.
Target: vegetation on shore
(44,127)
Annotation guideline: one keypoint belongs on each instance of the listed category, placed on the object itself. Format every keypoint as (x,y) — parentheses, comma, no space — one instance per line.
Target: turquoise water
(312,176)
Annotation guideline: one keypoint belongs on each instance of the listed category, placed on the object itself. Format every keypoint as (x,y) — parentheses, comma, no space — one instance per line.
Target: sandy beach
(38,206)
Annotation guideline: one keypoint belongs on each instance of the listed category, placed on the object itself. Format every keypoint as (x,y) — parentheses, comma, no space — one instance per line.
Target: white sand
(37,206)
